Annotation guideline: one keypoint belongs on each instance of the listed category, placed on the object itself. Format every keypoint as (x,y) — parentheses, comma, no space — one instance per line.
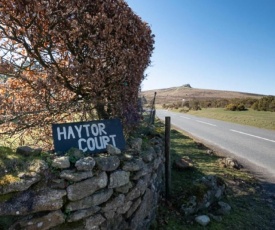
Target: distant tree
(67,58)
(249,102)
(266,103)
(194,105)
(272,105)
(255,105)
(221,103)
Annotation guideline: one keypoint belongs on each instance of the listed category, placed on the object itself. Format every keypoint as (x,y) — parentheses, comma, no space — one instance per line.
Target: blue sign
(90,137)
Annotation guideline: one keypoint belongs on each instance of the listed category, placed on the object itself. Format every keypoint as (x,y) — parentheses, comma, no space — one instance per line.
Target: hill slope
(176,94)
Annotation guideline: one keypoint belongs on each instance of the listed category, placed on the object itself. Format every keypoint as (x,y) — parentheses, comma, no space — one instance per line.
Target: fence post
(153,116)
(153,110)
(167,157)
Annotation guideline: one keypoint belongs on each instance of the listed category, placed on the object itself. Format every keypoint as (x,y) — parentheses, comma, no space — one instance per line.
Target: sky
(211,44)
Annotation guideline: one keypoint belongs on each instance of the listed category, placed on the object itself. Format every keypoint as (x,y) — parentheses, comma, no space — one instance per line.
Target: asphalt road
(251,146)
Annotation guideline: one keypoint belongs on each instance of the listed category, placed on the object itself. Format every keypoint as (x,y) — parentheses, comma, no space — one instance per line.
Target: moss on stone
(8,179)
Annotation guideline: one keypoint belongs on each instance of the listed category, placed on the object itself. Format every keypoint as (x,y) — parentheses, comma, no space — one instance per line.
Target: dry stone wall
(108,191)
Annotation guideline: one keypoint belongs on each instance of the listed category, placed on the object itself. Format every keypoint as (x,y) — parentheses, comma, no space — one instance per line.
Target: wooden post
(167,157)
(153,110)
(153,116)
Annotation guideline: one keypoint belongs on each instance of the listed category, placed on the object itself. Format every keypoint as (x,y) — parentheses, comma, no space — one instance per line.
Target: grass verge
(250,206)
(260,119)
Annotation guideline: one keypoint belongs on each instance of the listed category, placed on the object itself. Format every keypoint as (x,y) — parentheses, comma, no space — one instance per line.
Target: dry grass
(260,119)
(176,94)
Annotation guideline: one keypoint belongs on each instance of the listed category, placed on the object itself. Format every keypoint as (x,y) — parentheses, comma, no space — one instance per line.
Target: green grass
(243,193)
(11,163)
(260,119)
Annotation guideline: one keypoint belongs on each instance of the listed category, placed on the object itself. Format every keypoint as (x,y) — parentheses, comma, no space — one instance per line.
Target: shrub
(241,107)
(235,107)
(185,109)
(70,59)
(231,107)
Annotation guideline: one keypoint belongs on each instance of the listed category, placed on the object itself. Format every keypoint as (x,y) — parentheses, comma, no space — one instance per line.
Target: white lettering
(89,137)
(80,145)
(106,140)
(78,129)
(70,133)
(94,129)
(96,142)
(113,139)
(59,133)
(87,130)
(91,144)
(101,127)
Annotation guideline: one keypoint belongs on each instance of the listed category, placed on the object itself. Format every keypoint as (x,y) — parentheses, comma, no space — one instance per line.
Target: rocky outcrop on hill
(186,86)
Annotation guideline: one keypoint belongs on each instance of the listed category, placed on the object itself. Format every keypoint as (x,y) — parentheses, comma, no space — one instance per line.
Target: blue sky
(211,44)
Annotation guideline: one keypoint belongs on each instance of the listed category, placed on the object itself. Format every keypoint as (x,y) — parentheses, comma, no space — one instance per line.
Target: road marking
(251,135)
(186,117)
(205,123)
